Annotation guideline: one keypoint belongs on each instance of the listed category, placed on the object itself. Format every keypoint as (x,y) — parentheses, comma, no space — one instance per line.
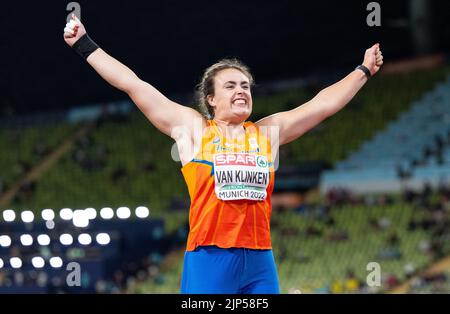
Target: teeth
(240,102)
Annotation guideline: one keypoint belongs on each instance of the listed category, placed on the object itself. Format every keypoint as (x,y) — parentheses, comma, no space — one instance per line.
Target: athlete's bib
(239,176)
(230,183)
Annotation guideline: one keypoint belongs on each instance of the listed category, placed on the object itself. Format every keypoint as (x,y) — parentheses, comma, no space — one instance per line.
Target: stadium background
(368,185)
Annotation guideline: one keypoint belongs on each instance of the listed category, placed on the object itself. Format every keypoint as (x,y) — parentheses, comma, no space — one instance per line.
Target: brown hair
(206,87)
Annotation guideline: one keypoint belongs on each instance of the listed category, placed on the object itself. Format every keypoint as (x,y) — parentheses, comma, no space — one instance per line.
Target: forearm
(337,96)
(111,70)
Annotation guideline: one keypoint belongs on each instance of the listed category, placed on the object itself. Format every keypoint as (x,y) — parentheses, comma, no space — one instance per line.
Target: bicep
(163,113)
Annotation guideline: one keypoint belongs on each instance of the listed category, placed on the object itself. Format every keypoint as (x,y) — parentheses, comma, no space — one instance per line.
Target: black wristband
(85,46)
(365,70)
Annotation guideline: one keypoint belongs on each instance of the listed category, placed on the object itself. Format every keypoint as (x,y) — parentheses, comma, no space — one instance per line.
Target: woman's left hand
(373,59)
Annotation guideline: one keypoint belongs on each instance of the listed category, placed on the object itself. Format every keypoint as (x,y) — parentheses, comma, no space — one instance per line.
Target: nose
(240,90)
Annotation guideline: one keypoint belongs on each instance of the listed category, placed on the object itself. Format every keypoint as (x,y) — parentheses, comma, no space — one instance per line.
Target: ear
(210,100)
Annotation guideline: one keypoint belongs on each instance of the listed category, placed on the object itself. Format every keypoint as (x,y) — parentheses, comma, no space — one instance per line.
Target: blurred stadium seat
(320,247)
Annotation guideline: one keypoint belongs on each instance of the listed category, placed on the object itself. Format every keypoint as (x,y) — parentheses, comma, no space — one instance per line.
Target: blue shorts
(210,269)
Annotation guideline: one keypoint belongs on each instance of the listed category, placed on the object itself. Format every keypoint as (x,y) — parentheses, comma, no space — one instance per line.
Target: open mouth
(240,101)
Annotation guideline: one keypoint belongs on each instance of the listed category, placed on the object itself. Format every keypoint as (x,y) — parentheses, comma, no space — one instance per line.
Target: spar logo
(235,160)
(261,161)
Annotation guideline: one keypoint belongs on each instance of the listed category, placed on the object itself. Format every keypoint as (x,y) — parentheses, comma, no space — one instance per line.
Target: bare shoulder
(269,128)
(188,137)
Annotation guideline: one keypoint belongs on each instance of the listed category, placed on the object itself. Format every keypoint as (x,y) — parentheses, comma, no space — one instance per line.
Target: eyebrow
(233,82)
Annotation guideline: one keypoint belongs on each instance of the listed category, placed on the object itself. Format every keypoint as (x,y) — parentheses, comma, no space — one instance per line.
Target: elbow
(130,85)
(327,106)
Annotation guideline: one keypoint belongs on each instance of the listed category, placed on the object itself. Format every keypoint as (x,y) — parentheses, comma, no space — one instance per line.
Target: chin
(242,111)
(242,114)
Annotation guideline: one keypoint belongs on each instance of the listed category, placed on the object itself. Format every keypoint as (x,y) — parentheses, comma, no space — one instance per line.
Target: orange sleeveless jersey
(230,186)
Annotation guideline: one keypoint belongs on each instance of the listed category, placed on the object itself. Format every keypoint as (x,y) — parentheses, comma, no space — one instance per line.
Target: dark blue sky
(169,43)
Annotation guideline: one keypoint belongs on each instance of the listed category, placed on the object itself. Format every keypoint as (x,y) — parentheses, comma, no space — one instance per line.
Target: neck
(229,128)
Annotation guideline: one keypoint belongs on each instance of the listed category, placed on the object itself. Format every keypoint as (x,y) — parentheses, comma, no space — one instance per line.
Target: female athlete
(227,161)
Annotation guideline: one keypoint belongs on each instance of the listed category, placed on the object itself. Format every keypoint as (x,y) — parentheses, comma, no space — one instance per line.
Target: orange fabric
(232,223)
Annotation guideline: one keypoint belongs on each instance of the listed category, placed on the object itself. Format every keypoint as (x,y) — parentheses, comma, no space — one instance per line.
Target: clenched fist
(74,30)
(373,59)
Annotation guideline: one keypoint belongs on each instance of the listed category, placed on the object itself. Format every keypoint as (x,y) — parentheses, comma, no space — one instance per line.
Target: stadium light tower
(5,241)
(15,262)
(80,218)
(48,214)
(56,262)
(27,216)
(103,238)
(142,212)
(43,239)
(123,212)
(38,262)
(91,213)
(26,239)
(9,215)
(66,239)
(66,214)
(84,239)
(106,213)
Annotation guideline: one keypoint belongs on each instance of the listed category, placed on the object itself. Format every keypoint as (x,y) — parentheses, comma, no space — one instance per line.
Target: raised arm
(163,113)
(294,123)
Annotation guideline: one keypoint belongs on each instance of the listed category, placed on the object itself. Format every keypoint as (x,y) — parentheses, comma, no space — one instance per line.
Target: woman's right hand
(73,31)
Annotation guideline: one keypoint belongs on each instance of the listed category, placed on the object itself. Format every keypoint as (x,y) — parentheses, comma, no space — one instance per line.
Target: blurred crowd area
(322,244)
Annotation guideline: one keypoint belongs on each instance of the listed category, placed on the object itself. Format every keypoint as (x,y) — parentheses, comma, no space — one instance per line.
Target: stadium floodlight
(66,214)
(5,241)
(107,213)
(38,262)
(1,263)
(103,238)
(48,214)
(43,239)
(91,213)
(56,262)
(84,239)
(26,239)
(9,215)
(66,239)
(27,216)
(15,262)
(142,212)
(123,212)
(80,218)
(50,224)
